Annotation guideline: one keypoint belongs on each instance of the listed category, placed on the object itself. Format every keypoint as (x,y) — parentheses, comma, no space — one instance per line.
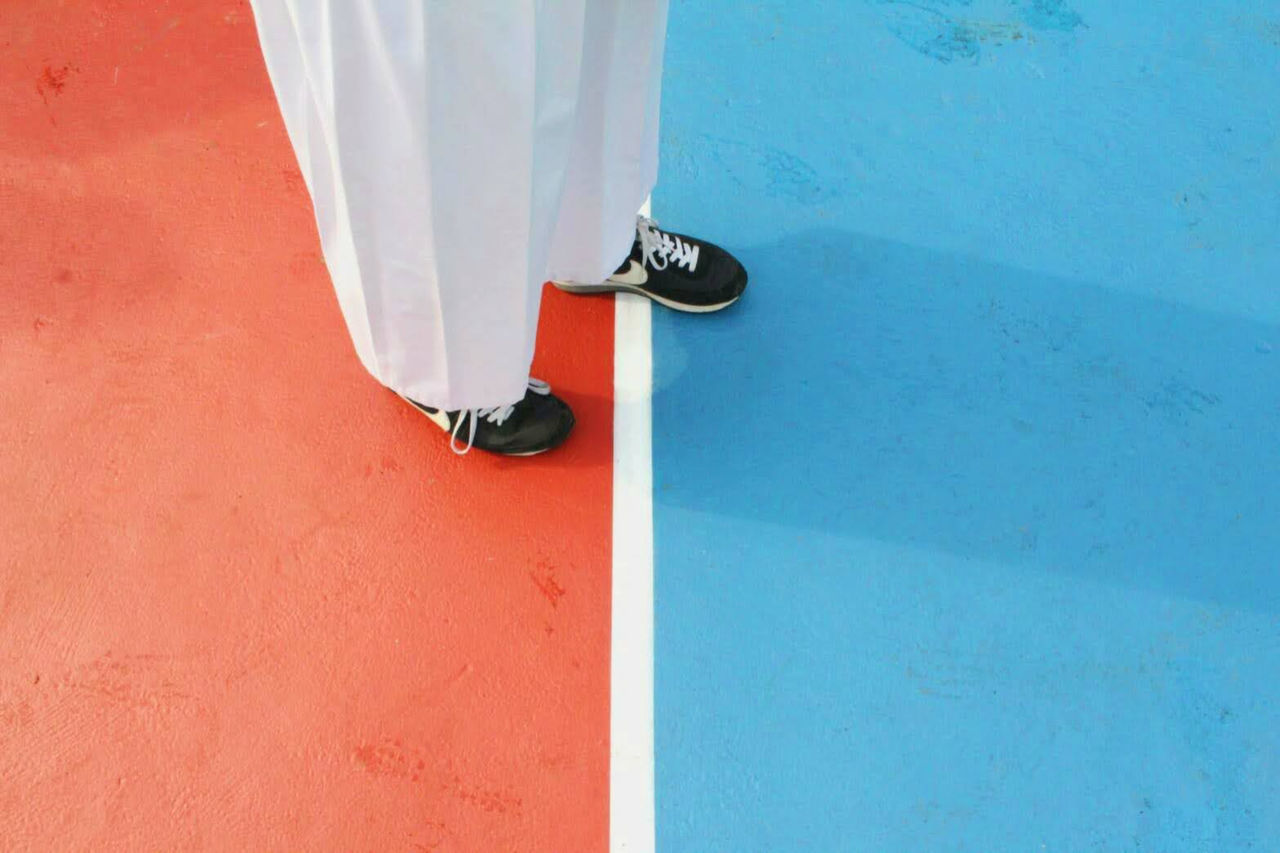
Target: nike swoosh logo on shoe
(636,274)
(440,419)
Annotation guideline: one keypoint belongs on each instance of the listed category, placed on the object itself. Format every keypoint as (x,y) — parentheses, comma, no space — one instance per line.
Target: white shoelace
(497,416)
(658,246)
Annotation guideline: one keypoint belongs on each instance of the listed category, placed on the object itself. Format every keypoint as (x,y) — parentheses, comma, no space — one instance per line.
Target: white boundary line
(631,791)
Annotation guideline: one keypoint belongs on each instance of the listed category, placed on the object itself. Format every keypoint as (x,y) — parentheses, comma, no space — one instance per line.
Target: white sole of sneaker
(597,289)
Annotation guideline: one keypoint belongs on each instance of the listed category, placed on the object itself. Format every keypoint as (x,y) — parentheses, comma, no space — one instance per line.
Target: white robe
(459,153)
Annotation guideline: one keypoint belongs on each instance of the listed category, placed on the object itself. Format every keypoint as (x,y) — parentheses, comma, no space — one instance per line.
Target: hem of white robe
(626,238)
(432,396)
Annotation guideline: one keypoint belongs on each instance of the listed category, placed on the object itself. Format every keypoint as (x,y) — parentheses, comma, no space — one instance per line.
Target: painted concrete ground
(967,535)
(248,600)
(967,523)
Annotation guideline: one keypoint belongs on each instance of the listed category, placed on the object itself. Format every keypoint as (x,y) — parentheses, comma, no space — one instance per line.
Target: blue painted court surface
(968,516)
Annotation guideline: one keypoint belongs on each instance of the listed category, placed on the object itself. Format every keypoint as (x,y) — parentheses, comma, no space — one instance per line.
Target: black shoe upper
(685,270)
(539,422)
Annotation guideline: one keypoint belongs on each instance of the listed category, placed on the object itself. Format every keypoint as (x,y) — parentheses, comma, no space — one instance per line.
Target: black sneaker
(673,270)
(538,423)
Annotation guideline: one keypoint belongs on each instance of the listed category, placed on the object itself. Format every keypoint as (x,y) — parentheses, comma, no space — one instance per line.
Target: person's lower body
(458,155)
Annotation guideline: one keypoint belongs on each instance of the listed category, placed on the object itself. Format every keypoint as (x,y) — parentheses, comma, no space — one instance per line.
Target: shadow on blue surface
(874,389)
(954,556)
(967,535)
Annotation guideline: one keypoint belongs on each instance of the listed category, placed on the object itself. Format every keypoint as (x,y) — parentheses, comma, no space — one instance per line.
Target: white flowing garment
(459,153)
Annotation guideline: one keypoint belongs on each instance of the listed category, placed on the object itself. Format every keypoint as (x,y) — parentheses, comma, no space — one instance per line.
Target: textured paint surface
(968,535)
(248,600)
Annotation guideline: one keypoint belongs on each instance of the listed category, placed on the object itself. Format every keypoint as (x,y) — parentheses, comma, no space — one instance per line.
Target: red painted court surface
(248,599)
